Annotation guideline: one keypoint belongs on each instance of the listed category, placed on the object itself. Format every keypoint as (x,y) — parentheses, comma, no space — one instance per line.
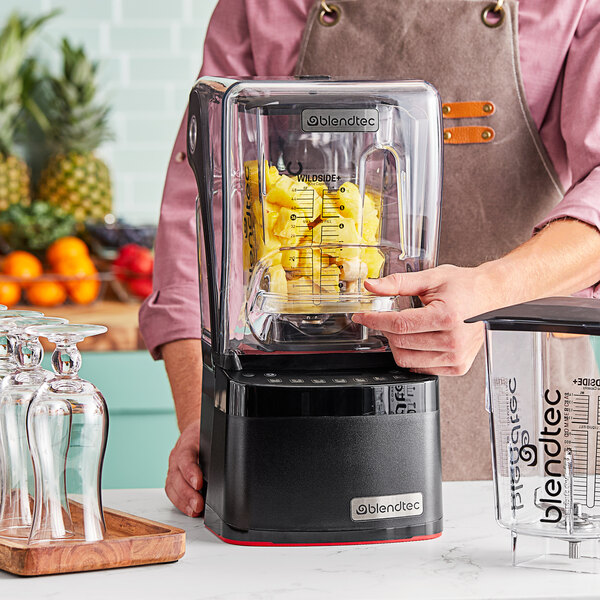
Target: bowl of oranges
(69,274)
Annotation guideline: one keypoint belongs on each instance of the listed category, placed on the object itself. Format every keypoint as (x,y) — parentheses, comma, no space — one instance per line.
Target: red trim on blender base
(418,538)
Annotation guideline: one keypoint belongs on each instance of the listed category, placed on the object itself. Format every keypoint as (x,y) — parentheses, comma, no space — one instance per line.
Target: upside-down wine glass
(67,427)
(16,392)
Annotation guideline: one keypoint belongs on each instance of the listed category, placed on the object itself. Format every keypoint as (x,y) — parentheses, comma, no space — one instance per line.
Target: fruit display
(106,239)
(311,240)
(75,178)
(133,267)
(15,95)
(34,227)
(71,274)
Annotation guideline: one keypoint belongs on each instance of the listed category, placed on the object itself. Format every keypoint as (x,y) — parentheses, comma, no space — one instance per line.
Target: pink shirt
(560,63)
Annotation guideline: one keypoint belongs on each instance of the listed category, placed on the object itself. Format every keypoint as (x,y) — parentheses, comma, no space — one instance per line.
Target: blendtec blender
(543,397)
(310,434)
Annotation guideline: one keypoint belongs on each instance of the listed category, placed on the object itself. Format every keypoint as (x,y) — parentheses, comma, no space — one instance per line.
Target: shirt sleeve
(580,127)
(172,311)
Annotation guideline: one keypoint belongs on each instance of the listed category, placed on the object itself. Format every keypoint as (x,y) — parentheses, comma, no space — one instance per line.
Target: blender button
(270,374)
(275,380)
(379,378)
(360,380)
(247,374)
(294,380)
(339,380)
(319,380)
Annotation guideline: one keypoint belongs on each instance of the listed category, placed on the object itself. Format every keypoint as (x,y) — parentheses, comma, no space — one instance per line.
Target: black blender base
(215,525)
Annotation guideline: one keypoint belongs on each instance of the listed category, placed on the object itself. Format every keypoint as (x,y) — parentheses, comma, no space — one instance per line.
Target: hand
(184,477)
(434,338)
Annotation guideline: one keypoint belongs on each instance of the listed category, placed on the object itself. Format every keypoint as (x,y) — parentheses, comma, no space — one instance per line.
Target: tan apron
(494,192)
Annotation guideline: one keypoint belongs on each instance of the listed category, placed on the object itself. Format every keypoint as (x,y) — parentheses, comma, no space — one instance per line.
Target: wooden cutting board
(130,541)
(121,318)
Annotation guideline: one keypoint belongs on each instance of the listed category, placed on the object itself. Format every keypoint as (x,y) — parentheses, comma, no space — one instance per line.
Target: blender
(543,396)
(310,434)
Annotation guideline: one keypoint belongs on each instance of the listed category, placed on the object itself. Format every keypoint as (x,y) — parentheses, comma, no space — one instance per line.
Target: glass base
(556,554)
(15,532)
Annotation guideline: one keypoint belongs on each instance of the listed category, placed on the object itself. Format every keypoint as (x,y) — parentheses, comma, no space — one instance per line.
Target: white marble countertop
(470,560)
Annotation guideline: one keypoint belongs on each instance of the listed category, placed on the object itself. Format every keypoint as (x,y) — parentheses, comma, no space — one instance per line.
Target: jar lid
(559,314)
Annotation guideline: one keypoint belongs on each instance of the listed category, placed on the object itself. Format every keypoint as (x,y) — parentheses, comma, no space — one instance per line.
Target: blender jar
(543,397)
(316,185)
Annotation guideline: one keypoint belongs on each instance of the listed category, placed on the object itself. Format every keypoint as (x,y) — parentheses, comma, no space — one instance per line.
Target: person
(538,65)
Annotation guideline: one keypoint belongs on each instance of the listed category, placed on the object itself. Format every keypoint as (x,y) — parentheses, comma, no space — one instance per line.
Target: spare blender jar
(543,396)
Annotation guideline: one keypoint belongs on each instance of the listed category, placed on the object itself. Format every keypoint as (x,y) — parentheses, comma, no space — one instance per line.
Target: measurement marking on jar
(583,439)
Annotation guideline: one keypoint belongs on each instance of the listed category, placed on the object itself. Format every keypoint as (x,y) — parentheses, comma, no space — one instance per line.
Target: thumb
(402,284)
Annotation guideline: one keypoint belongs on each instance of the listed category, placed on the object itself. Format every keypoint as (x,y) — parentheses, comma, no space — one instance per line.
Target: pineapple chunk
(370,227)
(374,260)
(335,231)
(290,259)
(268,251)
(251,176)
(291,225)
(348,201)
(292,194)
(329,282)
(277,280)
(271,213)
(303,286)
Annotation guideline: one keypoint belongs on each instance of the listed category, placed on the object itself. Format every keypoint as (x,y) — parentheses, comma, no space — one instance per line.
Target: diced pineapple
(288,192)
(291,225)
(320,187)
(329,281)
(251,176)
(271,213)
(335,231)
(268,251)
(348,201)
(303,286)
(370,227)
(277,280)
(290,259)
(374,260)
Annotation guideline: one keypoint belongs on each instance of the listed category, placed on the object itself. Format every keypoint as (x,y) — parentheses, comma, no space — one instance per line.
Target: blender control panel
(320,379)
(383,391)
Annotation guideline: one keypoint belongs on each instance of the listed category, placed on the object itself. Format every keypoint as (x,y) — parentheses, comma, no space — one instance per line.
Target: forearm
(183,362)
(562,259)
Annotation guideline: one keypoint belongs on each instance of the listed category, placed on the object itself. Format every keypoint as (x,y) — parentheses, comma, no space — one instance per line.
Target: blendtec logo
(344,120)
(386,507)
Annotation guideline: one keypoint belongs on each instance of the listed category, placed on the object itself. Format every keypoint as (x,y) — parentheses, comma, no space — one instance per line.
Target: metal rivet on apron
(487,108)
(486,135)
(446,109)
(447,135)
(497,10)
(180,157)
(329,14)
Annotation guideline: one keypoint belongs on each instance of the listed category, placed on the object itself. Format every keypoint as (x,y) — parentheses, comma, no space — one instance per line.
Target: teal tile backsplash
(150,53)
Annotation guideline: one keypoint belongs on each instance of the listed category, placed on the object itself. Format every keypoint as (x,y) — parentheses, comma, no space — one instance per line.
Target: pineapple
(16,82)
(75,178)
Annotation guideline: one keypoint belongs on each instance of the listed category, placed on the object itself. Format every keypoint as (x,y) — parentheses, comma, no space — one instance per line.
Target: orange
(10,293)
(46,293)
(84,292)
(22,264)
(66,247)
(76,266)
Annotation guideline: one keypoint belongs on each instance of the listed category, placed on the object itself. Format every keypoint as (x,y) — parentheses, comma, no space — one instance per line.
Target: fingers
(421,359)
(182,495)
(432,317)
(440,341)
(403,284)
(190,469)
